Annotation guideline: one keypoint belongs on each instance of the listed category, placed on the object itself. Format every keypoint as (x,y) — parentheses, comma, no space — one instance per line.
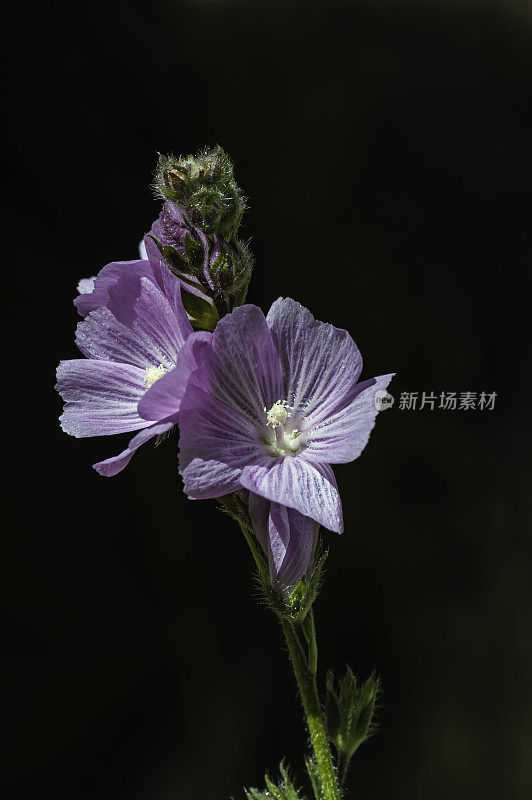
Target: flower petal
(288,538)
(112,466)
(320,363)
(245,373)
(216,442)
(107,277)
(343,436)
(101,397)
(125,303)
(149,334)
(165,396)
(309,488)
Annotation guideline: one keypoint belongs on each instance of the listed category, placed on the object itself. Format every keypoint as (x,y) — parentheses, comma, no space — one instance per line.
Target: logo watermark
(442,401)
(383,400)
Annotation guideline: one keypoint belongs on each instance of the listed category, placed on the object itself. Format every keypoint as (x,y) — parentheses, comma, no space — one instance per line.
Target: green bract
(285,790)
(349,711)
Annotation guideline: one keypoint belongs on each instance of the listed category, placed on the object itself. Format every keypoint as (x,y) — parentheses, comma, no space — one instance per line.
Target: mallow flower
(272,404)
(130,340)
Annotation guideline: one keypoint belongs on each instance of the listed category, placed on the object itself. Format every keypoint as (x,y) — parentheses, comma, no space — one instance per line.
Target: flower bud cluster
(205,188)
(196,230)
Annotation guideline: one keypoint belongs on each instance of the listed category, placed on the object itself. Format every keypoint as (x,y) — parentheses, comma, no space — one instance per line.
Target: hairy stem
(304,670)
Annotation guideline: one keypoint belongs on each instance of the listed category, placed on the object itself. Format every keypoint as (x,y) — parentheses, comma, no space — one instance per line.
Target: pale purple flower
(272,404)
(130,339)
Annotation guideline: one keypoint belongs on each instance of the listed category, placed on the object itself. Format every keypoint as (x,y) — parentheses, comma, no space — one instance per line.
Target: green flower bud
(203,186)
(230,269)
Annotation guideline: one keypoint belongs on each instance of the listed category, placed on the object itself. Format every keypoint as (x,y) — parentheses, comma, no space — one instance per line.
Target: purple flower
(130,339)
(272,404)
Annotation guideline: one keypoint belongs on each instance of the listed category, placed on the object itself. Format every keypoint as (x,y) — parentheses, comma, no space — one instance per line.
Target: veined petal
(139,297)
(320,363)
(165,396)
(112,466)
(148,336)
(309,488)
(343,436)
(216,442)
(245,373)
(101,397)
(288,538)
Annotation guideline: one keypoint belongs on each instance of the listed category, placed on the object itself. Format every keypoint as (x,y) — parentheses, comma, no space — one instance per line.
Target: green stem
(306,681)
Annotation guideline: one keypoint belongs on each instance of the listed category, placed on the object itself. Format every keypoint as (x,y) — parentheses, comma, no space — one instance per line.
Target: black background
(384,148)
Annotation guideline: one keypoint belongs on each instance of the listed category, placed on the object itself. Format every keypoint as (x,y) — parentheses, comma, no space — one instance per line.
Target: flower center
(153,374)
(286,439)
